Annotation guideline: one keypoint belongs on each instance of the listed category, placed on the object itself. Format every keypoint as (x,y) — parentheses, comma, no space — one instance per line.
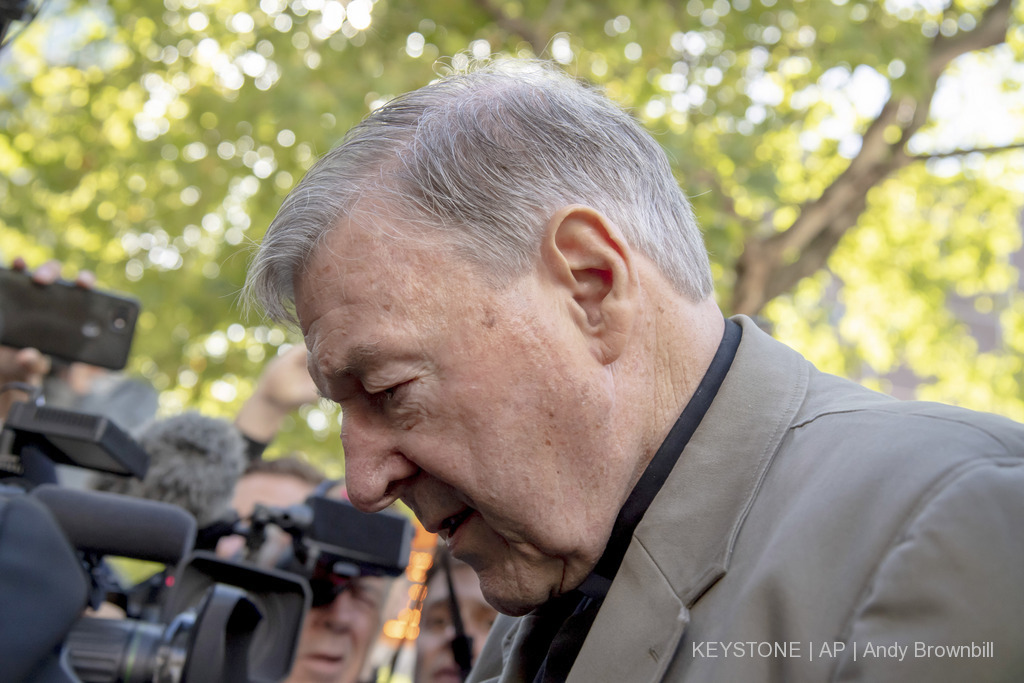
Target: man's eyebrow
(358,360)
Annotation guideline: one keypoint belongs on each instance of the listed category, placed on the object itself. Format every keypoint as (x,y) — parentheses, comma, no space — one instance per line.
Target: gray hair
(486,157)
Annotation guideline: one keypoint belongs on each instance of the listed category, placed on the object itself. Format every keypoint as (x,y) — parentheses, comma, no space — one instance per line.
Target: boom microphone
(195,462)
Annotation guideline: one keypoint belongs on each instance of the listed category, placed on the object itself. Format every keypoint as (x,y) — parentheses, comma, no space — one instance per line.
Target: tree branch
(990,31)
(770,266)
(964,152)
(515,26)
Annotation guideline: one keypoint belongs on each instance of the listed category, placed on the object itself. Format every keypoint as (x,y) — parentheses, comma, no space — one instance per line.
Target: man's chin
(516,610)
(517,582)
(514,603)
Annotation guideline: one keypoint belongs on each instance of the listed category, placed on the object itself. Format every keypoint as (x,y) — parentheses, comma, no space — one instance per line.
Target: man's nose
(337,613)
(374,463)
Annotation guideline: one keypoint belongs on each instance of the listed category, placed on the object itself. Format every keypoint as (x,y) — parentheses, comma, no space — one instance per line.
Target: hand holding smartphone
(66,320)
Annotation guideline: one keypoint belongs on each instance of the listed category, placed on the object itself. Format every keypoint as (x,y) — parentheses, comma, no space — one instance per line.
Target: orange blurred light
(398,630)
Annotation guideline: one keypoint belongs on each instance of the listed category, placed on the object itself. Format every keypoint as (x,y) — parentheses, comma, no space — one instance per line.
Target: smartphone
(66,321)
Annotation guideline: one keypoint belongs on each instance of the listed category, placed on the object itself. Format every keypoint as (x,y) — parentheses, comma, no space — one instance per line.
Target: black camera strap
(462,645)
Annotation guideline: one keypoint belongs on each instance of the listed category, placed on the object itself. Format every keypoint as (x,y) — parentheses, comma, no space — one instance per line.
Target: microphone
(194,463)
(115,525)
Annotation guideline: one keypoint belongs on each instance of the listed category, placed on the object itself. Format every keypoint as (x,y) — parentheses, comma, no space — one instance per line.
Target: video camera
(217,620)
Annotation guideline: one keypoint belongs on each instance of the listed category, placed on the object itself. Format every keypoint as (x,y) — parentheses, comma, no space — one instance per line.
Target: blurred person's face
(337,637)
(275,490)
(435,661)
(265,488)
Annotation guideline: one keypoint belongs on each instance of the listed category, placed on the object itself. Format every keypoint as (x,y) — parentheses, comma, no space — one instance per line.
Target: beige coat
(816,531)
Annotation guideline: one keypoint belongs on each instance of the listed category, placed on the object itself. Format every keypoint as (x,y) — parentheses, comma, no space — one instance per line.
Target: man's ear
(588,255)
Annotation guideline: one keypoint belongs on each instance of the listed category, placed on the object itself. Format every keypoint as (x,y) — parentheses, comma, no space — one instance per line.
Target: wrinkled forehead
(372,225)
(356,260)
(361,289)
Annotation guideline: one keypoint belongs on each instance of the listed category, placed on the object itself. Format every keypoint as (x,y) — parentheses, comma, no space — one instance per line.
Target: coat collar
(684,542)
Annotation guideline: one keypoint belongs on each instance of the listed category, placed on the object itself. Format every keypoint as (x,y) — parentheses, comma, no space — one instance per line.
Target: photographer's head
(276,483)
(345,617)
(339,631)
(279,483)
(502,284)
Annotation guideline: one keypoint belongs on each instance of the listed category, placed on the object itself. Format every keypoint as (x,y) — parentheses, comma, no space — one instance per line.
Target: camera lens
(103,650)
(119,320)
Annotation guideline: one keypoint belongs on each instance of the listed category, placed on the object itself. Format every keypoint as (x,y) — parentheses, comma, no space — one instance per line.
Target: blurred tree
(856,165)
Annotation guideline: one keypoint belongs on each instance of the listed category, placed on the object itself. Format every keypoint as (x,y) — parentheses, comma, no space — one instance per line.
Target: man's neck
(686,339)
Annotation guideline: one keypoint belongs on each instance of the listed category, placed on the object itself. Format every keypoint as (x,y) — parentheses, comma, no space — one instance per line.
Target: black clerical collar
(597,583)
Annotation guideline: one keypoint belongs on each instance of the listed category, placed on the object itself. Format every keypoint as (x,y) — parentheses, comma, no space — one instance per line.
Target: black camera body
(52,542)
(220,622)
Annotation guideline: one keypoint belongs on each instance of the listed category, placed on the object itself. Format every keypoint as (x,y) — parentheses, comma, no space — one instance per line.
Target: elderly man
(504,288)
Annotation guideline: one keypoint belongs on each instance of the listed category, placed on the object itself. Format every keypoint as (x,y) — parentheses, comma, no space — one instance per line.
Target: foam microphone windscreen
(195,462)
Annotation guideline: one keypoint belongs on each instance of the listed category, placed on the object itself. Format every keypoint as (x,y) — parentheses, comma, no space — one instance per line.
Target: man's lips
(323,660)
(450,525)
